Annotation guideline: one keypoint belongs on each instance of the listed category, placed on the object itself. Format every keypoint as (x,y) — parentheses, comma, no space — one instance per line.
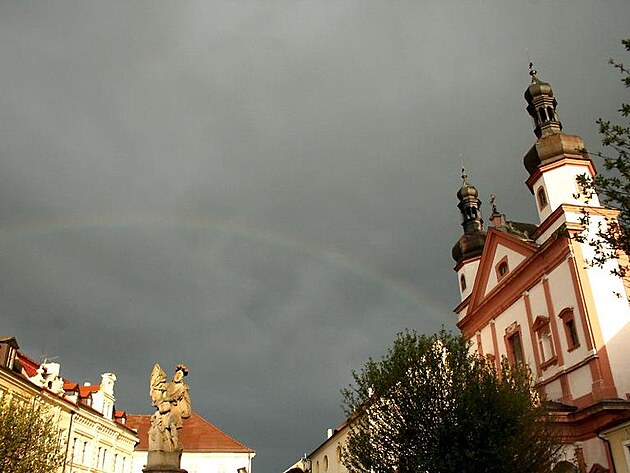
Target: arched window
(514,344)
(542,328)
(502,268)
(542,198)
(551,114)
(543,115)
(462,282)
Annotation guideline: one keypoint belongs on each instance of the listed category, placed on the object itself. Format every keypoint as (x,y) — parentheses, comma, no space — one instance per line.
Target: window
(542,198)
(514,344)
(570,329)
(502,268)
(462,282)
(325,462)
(75,449)
(338,453)
(546,345)
(545,342)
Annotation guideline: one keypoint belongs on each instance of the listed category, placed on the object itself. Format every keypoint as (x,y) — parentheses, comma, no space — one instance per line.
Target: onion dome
(470,244)
(552,144)
(470,206)
(541,106)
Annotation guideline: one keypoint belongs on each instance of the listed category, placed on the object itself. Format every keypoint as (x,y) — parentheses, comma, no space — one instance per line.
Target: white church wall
(513,259)
(553,390)
(580,382)
(469,272)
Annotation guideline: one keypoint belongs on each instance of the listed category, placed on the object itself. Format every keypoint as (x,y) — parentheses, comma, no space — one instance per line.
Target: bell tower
(468,249)
(557,159)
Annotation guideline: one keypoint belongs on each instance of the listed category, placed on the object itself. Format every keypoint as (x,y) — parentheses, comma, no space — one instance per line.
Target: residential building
(326,458)
(94,435)
(206,448)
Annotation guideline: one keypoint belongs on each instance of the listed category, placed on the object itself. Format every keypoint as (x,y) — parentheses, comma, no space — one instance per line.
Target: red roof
(29,365)
(85,391)
(197,435)
(70,385)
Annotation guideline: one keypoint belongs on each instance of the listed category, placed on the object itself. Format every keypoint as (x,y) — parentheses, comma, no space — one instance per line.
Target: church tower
(469,247)
(529,294)
(556,159)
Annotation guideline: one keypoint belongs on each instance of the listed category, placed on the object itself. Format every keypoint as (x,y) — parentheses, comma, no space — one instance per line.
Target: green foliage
(430,405)
(613,235)
(29,437)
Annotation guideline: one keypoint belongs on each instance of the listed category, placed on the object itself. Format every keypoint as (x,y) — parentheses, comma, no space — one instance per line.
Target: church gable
(502,254)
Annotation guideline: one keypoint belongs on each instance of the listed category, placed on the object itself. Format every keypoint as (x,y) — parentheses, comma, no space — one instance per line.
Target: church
(528,293)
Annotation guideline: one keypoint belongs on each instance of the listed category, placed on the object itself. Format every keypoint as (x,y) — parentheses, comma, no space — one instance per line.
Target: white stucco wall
(469,271)
(613,317)
(513,259)
(561,186)
(198,462)
(326,458)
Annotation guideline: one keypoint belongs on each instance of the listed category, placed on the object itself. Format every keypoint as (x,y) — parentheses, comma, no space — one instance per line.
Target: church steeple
(541,106)
(557,159)
(470,206)
(470,244)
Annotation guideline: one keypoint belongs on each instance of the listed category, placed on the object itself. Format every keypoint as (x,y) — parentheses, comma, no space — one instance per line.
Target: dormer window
(8,352)
(542,198)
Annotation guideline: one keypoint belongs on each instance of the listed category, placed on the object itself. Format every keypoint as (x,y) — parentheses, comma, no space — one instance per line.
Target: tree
(612,235)
(431,405)
(29,437)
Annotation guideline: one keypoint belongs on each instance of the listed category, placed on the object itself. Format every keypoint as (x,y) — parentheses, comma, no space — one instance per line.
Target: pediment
(502,255)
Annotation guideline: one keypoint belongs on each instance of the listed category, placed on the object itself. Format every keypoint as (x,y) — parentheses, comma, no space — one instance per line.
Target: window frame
(570,328)
(541,198)
(514,333)
(548,350)
(502,268)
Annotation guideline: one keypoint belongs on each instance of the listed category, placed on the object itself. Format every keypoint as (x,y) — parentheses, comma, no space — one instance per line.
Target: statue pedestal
(164,462)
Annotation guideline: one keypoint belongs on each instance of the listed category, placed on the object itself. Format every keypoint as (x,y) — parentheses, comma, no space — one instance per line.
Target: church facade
(528,293)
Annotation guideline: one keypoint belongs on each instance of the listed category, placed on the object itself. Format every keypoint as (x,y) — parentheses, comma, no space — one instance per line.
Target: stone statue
(172,403)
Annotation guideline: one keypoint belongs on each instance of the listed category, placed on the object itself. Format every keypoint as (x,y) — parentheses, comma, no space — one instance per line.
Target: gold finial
(533,72)
(493,202)
(464,174)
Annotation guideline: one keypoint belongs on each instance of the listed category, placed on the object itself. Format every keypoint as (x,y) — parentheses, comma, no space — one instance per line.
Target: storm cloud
(264,190)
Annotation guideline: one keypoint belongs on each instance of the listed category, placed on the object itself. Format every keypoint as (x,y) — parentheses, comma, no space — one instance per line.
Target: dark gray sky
(264,190)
